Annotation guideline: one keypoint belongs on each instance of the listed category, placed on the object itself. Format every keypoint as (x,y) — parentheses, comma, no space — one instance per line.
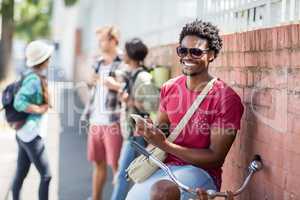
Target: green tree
(28,19)
(7,29)
(70,2)
(32,19)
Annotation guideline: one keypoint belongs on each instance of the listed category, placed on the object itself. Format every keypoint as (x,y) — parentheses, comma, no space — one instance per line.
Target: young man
(139,98)
(104,139)
(198,153)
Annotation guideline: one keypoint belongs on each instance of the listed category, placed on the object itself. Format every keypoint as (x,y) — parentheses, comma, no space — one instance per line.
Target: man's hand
(111,83)
(124,97)
(151,134)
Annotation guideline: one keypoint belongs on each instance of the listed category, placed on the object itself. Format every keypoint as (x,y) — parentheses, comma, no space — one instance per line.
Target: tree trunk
(7,10)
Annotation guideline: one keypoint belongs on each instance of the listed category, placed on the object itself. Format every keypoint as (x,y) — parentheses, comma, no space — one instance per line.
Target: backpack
(155,91)
(14,118)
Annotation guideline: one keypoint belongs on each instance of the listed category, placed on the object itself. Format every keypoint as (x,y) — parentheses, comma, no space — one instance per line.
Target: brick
(285,55)
(280,37)
(269,40)
(295,58)
(240,77)
(257,75)
(234,46)
(240,42)
(247,41)
(293,182)
(229,60)
(250,78)
(274,192)
(293,123)
(292,142)
(294,80)
(252,42)
(224,39)
(292,163)
(250,59)
(287,33)
(262,59)
(225,60)
(248,94)
(284,39)
(294,103)
(257,40)
(274,38)
(281,58)
(241,58)
(236,60)
(295,35)
(263,39)
(268,59)
(272,78)
(263,97)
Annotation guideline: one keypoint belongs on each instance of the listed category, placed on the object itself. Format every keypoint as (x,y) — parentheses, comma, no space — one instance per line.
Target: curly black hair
(204,30)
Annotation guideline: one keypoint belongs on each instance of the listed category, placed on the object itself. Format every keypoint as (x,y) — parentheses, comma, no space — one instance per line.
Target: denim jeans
(189,175)
(32,152)
(128,154)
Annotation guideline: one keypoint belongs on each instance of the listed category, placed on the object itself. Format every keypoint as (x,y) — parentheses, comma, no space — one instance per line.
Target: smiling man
(198,153)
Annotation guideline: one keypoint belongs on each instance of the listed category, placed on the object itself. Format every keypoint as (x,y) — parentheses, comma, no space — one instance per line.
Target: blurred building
(158,21)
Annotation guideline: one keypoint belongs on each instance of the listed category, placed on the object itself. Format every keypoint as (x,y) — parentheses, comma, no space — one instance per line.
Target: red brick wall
(263,66)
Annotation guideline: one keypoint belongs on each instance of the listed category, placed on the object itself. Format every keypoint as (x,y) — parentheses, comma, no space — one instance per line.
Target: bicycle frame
(255,166)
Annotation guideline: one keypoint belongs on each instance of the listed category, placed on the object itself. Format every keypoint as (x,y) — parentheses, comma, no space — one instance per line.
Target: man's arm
(112,84)
(214,156)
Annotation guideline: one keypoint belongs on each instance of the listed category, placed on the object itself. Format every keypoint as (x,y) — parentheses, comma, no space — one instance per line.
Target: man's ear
(211,56)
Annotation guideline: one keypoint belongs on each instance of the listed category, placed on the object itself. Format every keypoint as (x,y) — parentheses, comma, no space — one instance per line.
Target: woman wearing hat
(32,98)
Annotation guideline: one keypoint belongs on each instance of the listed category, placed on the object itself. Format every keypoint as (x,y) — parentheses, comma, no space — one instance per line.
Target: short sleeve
(229,113)
(30,86)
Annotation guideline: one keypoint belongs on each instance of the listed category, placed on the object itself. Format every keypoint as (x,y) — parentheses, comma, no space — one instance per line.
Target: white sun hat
(37,52)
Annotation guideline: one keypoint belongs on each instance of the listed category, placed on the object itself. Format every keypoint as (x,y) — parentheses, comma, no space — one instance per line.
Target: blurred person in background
(104,138)
(138,97)
(33,99)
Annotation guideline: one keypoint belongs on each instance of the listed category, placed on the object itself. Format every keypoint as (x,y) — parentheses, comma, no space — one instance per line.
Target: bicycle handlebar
(255,166)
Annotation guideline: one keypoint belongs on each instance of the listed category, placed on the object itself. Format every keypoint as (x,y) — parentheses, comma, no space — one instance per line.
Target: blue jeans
(128,154)
(32,152)
(189,175)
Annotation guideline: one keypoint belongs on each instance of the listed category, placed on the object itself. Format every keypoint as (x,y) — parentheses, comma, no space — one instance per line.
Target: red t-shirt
(222,108)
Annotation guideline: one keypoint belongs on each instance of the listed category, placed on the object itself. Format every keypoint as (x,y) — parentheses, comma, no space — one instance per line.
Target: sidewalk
(8,156)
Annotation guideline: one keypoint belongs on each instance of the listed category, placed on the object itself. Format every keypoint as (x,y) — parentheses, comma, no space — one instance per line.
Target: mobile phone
(138,117)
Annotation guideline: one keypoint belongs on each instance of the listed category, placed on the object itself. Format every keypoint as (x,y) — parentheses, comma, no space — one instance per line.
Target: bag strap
(175,133)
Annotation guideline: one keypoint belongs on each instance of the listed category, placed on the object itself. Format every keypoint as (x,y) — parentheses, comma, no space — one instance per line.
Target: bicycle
(255,165)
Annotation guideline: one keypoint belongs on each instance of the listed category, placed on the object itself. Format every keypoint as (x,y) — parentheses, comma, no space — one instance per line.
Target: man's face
(105,42)
(194,62)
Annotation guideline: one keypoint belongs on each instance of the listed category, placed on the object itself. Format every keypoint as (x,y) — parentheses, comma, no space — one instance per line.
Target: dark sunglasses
(194,52)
